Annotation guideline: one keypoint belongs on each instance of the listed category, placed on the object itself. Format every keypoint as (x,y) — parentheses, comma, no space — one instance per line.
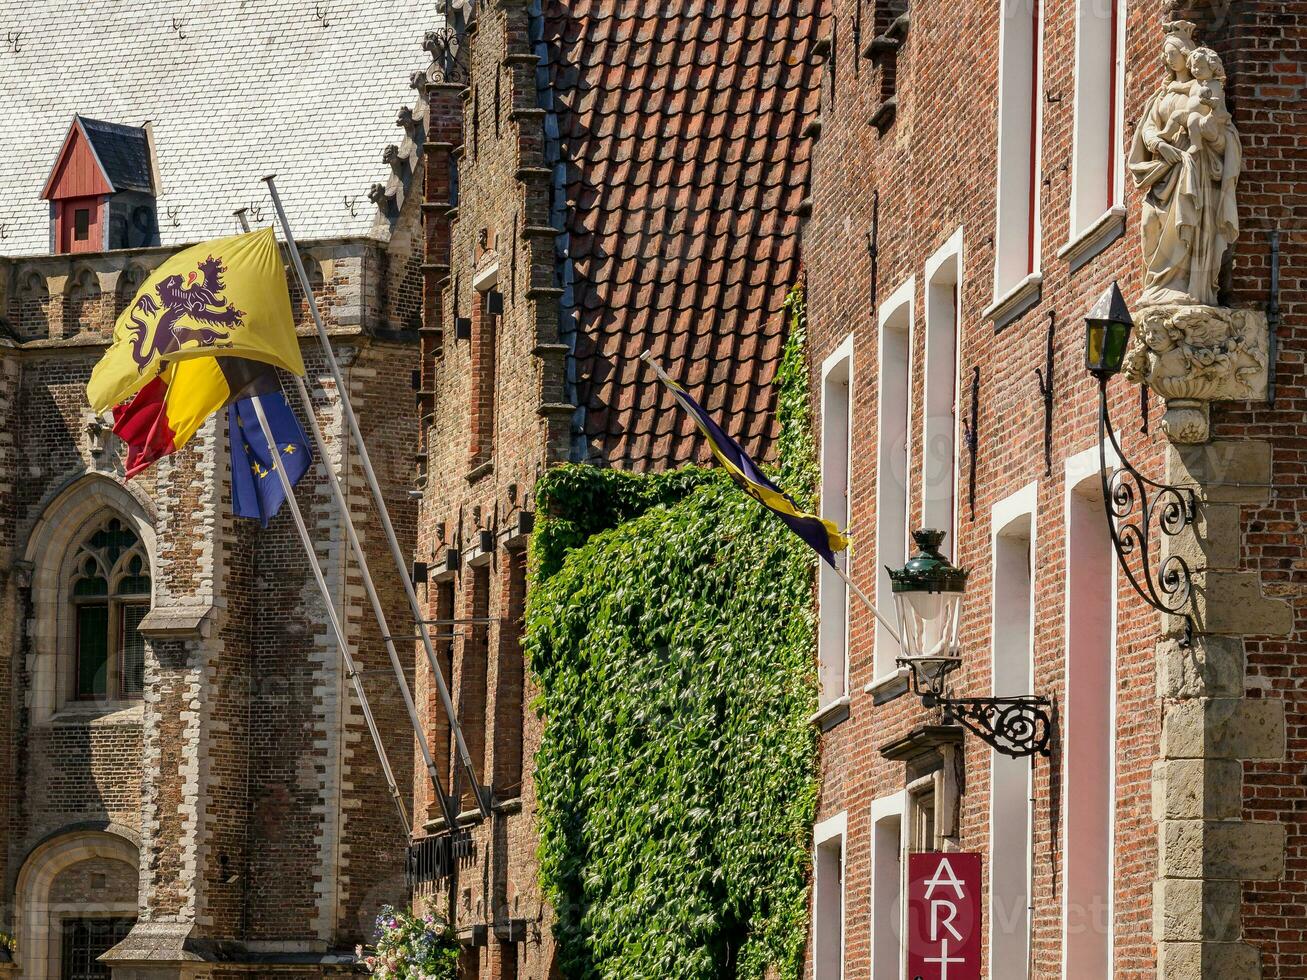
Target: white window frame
(884,810)
(1018,233)
(941,385)
(1083,470)
(828,830)
(1007,514)
(892,476)
(832,592)
(1098,143)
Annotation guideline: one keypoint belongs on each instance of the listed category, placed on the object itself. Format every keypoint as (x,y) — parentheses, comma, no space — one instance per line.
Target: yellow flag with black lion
(223,298)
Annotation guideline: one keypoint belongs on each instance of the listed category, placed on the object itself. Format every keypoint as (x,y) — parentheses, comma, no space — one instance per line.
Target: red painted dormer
(101,189)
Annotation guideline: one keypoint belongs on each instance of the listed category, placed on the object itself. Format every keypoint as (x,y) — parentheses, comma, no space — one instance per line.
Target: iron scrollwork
(1135,505)
(1018,727)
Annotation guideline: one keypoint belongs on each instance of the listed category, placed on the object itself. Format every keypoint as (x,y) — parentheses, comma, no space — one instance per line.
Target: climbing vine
(670,633)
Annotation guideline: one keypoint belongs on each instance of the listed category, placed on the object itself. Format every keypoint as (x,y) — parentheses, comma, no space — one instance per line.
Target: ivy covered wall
(670,631)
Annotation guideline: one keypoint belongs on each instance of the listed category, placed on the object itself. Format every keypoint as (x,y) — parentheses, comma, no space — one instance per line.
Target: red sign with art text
(943,916)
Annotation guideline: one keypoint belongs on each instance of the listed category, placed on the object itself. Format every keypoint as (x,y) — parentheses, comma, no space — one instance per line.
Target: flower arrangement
(406,947)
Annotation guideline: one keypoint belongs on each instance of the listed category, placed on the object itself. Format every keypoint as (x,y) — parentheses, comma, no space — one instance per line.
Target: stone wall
(246,770)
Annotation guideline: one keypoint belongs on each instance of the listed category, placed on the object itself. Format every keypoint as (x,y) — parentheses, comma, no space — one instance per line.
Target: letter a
(940,881)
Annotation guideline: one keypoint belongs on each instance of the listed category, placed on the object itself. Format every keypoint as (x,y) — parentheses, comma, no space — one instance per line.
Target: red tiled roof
(681,121)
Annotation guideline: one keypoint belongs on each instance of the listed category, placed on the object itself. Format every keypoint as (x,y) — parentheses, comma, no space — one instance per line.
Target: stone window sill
(830,715)
(1015,301)
(482,469)
(1103,232)
(97,713)
(888,688)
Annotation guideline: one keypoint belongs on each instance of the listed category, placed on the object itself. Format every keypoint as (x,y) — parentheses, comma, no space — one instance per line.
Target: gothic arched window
(110,596)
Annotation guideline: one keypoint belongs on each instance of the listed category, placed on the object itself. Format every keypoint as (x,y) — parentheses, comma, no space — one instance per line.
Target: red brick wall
(934,170)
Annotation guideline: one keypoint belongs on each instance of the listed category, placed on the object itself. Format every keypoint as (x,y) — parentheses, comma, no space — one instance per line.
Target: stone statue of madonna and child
(1186,159)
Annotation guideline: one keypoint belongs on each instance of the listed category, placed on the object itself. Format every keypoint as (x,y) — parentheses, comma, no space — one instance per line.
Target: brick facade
(1200,750)
(241,796)
(572,243)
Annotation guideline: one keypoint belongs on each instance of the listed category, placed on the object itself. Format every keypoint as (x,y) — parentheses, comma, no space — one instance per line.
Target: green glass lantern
(1107,333)
(928,598)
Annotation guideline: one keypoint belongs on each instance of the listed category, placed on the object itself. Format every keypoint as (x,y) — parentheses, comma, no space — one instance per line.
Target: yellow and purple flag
(818,533)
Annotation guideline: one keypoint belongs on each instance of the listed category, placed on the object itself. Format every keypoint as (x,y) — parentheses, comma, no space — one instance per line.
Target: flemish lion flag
(818,533)
(225,298)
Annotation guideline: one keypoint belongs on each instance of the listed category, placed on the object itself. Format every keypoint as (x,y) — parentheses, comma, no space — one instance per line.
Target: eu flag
(255,488)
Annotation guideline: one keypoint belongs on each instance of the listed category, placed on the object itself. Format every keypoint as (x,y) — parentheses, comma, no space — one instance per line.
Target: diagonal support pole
(447,807)
(401,564)
(351,671)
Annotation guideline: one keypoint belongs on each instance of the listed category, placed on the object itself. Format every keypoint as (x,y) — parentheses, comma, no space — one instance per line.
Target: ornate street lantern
(928,594)
(1136,505)
(928,597)
(1107,333)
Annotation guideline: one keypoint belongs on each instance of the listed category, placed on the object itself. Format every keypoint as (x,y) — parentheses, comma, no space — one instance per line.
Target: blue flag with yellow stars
(818,533)
(256,491)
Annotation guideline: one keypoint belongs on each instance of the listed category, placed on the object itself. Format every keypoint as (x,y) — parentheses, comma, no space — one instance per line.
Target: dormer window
(102,189)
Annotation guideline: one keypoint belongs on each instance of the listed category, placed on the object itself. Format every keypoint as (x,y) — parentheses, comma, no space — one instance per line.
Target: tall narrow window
(836,419)
(510,680)
(828,900)
(893,398)
(939,448)
(1010,783)
(485,322)
(1016,247)
(110,593)
(472,676)
(1089,733)
(1096,167)
(442,736)
(887,888)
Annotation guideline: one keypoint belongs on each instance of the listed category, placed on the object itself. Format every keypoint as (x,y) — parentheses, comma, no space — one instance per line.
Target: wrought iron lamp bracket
(1134,504)
(1016,727)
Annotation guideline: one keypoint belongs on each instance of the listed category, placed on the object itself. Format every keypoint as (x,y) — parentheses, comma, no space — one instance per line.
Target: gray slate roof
(124,152)
(235,89)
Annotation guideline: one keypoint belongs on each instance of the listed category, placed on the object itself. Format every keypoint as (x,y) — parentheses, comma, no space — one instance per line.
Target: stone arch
(51,549)
(40,904)
(31,311)
(82,306)
(129,282)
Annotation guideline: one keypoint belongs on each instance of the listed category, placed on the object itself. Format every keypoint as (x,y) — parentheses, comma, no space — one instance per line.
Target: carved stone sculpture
(1193,355)
(1186,157)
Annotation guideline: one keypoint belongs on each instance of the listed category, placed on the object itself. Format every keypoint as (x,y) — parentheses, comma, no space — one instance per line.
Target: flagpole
(446,803)
(401,563)
(351,671)
(647,357)
(893,632)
